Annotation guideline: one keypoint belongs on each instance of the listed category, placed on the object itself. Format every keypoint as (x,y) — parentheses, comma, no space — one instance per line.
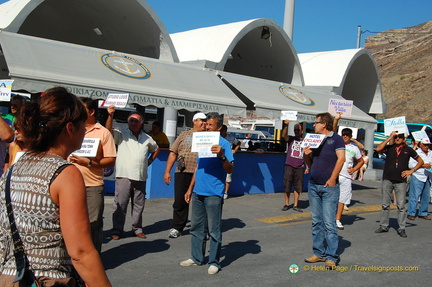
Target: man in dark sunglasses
(395,173)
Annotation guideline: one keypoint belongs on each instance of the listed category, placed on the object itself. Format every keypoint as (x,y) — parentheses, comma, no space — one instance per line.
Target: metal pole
(288,24)
(358,36)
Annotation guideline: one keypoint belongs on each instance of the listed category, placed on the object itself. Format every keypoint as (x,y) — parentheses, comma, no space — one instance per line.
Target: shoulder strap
(20,257)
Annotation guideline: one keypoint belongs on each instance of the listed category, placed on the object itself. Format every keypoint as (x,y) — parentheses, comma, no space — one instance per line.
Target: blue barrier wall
(254,173)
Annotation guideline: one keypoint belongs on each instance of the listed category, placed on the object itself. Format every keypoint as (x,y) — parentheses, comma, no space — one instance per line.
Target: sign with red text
(117,100)
(312,140)
(344,107)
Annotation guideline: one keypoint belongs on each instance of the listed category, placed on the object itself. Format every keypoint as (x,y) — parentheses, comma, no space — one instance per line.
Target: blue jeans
(418,189)
(323,203)
(206,217)
(400,192)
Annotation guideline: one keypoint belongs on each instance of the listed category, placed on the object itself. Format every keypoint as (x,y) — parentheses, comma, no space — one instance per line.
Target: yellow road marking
(297,218)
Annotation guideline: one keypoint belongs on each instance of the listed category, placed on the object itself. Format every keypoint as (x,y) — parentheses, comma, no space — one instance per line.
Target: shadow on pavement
(127,252)
(235,250)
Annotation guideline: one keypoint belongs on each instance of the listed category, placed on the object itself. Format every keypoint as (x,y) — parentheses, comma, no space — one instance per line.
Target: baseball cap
(425,141)
(199,116)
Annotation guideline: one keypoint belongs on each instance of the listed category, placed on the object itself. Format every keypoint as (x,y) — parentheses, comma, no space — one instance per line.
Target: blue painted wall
(254,173)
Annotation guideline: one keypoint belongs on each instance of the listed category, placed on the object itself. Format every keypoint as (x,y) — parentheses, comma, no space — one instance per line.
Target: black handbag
(24,275)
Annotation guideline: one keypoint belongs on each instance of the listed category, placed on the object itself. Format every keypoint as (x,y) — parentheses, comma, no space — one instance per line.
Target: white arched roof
(129,26)
(239,48)
(351,73)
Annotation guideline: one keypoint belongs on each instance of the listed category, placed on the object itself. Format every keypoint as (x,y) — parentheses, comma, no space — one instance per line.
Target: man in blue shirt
(325,162)
(208,184)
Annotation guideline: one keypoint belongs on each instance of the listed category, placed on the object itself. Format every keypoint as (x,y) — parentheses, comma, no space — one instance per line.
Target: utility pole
(359,32)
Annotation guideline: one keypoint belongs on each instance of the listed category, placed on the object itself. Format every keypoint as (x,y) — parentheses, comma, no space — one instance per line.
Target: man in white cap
(186,165)
(420,182)
(133,159)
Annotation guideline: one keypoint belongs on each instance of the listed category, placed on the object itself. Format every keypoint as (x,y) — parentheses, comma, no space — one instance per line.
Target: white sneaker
(339,225)
(225,195)
(174,233)
(346,207)
(188,263)
(213,270)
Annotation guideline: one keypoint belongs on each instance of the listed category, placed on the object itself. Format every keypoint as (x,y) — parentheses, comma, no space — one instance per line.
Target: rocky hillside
(404,60)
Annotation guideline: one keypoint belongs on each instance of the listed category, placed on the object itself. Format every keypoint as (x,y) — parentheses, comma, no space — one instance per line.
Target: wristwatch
(90,163)
(223,158)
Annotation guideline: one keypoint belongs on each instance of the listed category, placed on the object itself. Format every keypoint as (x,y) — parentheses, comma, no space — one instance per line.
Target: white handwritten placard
(202,143)
(88,148)
(289,115)
(395,124)
(340,106)
(312,140)
(117,100)
(421,135)
(5,90)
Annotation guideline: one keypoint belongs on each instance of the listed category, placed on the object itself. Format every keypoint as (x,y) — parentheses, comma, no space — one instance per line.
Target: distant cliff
(404,60)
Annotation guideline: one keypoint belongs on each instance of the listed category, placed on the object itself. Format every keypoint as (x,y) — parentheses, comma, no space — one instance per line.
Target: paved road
(260,242)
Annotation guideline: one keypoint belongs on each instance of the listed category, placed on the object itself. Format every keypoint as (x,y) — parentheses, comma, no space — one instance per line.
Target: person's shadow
(235,250)
(123,253)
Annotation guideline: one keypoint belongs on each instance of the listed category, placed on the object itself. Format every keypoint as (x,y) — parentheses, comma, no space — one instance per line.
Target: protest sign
(312,140)
(202,143)
(89,147)
(117,100)
(289,115)
(340,106)
(395,124)
(5,90)
(421,135)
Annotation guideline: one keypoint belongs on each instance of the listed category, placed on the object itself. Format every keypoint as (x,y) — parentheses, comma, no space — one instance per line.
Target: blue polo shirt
(324,158)
(210,175)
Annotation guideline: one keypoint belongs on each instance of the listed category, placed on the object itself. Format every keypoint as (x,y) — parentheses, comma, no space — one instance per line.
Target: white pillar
(170,124)
(369,140)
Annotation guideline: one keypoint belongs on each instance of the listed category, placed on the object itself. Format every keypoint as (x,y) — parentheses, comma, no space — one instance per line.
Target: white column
(170,124)
(369,140)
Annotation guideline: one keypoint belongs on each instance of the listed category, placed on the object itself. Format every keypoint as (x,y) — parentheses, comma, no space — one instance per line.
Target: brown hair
(43,121)
(327,119)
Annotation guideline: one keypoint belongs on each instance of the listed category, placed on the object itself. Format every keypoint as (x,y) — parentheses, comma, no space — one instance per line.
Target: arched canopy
(242,48)
(352,73)
(128,26)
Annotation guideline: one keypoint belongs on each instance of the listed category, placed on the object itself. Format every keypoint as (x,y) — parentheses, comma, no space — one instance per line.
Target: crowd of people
(66,190)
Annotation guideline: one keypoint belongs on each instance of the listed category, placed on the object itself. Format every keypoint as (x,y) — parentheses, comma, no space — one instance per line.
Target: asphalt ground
(261,242)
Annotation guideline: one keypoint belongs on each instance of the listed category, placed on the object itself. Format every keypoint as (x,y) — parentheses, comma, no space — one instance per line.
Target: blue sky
(319,25)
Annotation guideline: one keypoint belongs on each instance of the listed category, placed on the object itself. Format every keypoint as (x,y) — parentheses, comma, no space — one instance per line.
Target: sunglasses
(346,134)
(318,123)
(401,136)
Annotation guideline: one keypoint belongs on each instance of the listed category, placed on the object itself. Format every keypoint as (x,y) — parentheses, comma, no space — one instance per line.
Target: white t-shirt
(352,153)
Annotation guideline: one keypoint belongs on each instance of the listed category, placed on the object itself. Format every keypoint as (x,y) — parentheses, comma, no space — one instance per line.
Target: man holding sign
(326,162)
(294,165)
(208,185)
(92,169)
